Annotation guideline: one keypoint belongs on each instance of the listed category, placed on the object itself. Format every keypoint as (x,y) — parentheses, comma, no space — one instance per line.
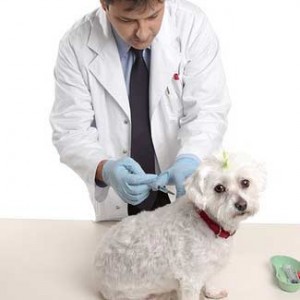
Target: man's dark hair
(135,4)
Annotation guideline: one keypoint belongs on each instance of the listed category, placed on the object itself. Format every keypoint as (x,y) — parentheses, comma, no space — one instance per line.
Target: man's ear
(104,5)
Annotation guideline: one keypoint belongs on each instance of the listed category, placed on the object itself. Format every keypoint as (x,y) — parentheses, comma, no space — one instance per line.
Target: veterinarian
(141,99)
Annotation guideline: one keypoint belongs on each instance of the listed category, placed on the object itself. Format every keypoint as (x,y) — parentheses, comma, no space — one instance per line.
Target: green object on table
(278,262)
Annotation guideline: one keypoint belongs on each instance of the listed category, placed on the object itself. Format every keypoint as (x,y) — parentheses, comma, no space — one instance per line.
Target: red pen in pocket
(176,76)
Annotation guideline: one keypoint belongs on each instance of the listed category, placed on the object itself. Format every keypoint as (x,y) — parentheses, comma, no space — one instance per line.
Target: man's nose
(241,204)
(142,30)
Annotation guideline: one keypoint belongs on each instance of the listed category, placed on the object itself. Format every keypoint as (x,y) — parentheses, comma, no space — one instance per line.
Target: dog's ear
(257,173)
(260,176)
(195,186)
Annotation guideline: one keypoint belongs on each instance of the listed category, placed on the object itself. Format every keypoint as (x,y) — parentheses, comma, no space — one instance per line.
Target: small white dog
(171,252)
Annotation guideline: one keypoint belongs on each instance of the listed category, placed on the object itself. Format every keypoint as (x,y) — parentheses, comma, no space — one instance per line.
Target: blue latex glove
(184,166)
(128,179)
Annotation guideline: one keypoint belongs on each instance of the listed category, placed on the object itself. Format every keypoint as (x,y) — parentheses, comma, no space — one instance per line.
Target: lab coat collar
(102,42)
(100,32)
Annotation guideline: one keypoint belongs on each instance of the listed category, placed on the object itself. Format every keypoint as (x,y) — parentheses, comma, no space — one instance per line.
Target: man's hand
(184,166)
(128,179)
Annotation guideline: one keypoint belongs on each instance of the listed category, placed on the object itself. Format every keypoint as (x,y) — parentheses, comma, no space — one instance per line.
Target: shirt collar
(123,47)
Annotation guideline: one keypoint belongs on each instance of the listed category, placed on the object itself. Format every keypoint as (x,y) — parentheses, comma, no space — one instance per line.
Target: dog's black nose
(241,205)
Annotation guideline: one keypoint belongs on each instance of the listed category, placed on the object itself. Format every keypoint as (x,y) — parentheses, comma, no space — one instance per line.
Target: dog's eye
(220,188)
(245,183)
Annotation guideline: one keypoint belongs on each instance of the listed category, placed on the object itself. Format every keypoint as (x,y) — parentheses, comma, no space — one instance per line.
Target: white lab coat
(91,115)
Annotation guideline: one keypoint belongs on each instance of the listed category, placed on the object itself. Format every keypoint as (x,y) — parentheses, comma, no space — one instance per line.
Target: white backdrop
(261,53)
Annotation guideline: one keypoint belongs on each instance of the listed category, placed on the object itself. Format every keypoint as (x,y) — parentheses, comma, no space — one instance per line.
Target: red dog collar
(216,228)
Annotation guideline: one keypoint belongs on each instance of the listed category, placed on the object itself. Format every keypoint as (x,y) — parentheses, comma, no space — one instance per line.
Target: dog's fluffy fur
(170,253)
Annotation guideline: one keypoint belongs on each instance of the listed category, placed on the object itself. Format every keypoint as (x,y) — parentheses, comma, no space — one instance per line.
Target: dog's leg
(214,293)
(189,292)
(166,296)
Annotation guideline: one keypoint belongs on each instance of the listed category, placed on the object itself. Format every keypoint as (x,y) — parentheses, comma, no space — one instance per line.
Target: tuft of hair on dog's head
(223,164)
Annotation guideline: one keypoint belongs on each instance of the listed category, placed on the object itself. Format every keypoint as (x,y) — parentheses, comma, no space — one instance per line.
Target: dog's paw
(213,293)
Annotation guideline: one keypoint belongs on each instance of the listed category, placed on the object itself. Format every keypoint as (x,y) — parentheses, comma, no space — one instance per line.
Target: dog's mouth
(242,214)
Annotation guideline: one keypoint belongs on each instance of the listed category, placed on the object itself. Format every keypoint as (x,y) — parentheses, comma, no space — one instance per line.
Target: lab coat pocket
(173,101)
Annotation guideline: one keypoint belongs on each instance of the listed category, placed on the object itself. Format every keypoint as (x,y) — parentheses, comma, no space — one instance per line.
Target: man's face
(136,27)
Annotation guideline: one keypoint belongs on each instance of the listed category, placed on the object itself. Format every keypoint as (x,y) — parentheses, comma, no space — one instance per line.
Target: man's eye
(125,21)
(153,17)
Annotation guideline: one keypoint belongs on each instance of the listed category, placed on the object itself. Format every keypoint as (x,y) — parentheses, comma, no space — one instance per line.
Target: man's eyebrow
(129,19)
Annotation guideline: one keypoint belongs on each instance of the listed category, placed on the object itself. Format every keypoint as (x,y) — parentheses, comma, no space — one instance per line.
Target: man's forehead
(120,10)
(137,5)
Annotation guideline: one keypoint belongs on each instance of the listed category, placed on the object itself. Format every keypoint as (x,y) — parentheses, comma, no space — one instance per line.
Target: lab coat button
(118,207)
(125,151)
(126,122)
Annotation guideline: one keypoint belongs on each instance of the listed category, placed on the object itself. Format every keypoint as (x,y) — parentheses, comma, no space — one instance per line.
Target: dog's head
(227,187)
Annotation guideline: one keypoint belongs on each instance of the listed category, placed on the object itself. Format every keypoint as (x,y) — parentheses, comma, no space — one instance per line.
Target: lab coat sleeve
(205,97)
(72,118)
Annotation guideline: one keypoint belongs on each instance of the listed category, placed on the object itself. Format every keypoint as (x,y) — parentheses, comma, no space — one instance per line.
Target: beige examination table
(52,260)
